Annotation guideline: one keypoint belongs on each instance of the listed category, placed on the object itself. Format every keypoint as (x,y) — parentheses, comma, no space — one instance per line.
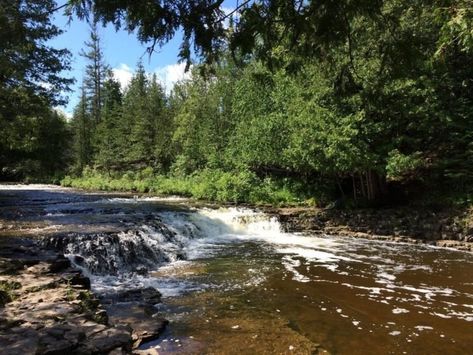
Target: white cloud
(168,75)
(171,74)
(227,11)
(123,74)
(61,111)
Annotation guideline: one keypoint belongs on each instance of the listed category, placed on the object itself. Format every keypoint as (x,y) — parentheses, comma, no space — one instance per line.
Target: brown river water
(234,283)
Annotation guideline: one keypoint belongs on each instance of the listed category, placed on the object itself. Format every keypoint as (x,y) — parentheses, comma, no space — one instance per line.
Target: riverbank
(452,228)
(47,307)
(210,185)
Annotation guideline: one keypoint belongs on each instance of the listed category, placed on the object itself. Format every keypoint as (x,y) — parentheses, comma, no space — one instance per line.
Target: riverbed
(234,282)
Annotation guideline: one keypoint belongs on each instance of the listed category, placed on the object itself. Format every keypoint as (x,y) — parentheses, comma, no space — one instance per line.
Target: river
(234,282)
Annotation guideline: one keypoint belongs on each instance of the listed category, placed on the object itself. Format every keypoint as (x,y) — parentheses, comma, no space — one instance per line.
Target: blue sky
(121,52)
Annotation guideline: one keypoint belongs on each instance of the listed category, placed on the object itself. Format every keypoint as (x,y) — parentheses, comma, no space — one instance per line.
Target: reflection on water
(235,283)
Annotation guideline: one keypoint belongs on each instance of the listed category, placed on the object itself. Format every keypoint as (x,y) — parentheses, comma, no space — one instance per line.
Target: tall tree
(95,73)
(161,122)
(110,136)
(29,68)
(141,128)
(194,123)
(82,129)
(30,77)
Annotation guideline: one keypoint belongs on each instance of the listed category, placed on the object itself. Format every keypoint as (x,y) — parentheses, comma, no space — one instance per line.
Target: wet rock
(79,260)
(151,351)
(79,280)
(145,295)
(9,267)
(146,325)
(141,270)
(60,264)
(101,316)
(49,345)
(108,340)
(52,313)
(404,224)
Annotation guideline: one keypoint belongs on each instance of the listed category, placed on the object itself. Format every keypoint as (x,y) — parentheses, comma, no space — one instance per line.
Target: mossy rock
(5,297)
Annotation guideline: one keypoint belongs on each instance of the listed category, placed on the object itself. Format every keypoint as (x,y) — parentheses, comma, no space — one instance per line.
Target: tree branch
(244,3)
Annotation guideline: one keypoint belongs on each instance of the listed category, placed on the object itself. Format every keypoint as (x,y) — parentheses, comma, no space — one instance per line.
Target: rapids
(234,282)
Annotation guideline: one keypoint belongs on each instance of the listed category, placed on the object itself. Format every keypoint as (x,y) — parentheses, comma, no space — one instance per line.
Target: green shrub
(207,184)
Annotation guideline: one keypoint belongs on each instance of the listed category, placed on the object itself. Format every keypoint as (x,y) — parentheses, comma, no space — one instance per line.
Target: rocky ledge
(447,228)
(46,307)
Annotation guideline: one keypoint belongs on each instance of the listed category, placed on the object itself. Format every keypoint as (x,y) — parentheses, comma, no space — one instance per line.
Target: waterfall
(169,236)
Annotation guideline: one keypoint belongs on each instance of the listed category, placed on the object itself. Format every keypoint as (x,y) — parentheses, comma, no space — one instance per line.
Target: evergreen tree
(110,137)
(95,74)
(141,127)
(52,146)
(160,121)
(82,129)
(30,81)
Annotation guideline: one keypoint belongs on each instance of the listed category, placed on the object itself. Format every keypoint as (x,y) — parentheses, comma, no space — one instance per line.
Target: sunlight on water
(226,271)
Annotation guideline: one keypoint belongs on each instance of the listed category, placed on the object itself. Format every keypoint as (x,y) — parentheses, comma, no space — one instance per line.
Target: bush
(207,184)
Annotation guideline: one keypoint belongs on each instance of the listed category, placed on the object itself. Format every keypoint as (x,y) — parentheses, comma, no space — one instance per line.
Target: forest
(288,102)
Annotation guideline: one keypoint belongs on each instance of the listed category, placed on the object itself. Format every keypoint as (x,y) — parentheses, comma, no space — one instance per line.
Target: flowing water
(234,282)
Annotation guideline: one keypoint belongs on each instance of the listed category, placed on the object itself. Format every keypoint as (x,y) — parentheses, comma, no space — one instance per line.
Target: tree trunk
(372,185)
(362,184)
(376,185)
(354,187)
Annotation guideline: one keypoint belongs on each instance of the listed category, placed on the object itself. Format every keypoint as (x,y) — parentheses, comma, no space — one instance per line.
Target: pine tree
(89,110)
(82,130)
(95,73)
(159,116)
(140,127)
(110,136)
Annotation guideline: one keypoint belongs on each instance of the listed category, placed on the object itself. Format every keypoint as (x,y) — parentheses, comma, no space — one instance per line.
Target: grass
(211,185)
(6,291)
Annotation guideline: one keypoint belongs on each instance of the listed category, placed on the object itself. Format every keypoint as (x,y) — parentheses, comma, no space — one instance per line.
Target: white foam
(386,276)
(205,232)
(421,328)
(400,310)
(312,254)
(290,264)
(140,199)
(441,315)
(42,187)
(52,214)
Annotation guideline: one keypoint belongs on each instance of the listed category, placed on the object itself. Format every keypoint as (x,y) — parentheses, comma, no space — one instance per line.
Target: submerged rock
(145,322)
(146,295)
(136,309)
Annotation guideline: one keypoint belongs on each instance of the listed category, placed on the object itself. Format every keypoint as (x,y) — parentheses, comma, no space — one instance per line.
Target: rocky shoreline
(46,307)
(447,228)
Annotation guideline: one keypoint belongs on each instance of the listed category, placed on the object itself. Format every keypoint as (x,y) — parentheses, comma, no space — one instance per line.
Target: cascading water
(166,237)
(232,276)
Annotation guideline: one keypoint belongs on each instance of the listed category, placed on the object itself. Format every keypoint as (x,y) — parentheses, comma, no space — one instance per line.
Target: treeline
(293,101)
(115,130)
(376,118)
